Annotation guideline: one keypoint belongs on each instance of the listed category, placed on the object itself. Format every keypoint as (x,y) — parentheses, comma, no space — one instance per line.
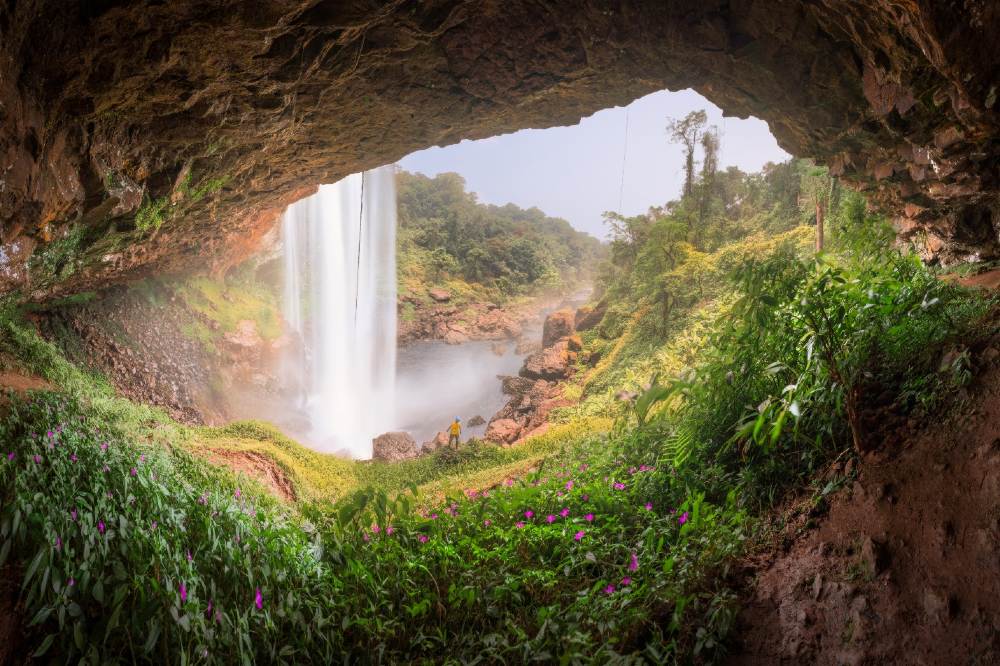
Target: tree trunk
(819,226)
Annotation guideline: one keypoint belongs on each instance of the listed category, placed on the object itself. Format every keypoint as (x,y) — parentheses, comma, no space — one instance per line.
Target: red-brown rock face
(156,136)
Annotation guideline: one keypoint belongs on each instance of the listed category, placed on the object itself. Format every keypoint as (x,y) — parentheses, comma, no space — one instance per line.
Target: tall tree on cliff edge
(686,131)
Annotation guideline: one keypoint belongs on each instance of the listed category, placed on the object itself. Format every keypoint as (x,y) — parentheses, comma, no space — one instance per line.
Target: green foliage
(60,258)
(152,214)
(445,233)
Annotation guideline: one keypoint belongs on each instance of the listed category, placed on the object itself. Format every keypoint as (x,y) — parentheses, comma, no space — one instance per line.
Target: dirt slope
(905,567)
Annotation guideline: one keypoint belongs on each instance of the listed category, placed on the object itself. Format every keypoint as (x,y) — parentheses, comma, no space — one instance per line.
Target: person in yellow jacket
(455,432)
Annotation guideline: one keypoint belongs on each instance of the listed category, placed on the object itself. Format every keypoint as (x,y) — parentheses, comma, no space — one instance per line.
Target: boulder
(439,295)
(476,420)
(440,439)
(453,337)
(558,325)
(503,431)
(553,363)
(392,446)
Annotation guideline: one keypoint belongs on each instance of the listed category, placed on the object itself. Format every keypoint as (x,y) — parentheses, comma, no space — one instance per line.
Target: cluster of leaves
(444,232)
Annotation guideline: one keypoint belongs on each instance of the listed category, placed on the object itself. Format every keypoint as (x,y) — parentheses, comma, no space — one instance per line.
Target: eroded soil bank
(905,566)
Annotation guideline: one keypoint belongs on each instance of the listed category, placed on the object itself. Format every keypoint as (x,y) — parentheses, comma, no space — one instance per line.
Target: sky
(576,172)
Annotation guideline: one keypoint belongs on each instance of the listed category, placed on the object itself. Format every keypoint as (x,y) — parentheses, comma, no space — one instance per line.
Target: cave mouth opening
(621,161)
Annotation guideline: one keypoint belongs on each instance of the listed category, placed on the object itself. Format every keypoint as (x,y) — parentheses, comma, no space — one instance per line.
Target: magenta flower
(208,611)
(184,592)
(104,446)
(632,470)
(509,482)
(49,433)
(619,485)
(579,535)
(375,528)
(72,514)
(365,538)
(626,581)
(237,493)
(133,471)
(37,458)
(589,517)
(583,468)
(434,516)
(142,458)
(100,526)
(633,564)
(58,543)
(203,499)
(189,558)
(569,485)
(610,589)
(10,456)
(390,529)
(71,582)
(564,513)
(487,523)
(422,538)
(649,506)
(519,524)
(528,514)
(585,498)
(258,599)
(683,519)
(154,525)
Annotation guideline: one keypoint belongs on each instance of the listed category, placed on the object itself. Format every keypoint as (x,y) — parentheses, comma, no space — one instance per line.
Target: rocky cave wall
(153,136)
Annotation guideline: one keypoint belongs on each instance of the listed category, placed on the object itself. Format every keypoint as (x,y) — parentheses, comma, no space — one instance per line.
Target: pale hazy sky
(576,172)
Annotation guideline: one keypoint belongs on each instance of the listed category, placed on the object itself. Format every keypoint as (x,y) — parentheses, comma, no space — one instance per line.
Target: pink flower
(626,581)
(585,498)
(583,468)
(619,485)
(100,526)
(58,543)
(365,538)
(184,592)
(72,457)
(683,519)
(422,538)
(564,513)
(434,516)
(375,529)
(487,523)
(104,446)
(10,456)
(132,471)
(569,485)
(551,518)
(37,458)
(649,506)
(71,582)
(589,517)
(153,526)
(142,458)
(237,494)
(509,482)
(579,535)
(519,524)
(72,514)
(610,589)
(189,558)
(633,564)
(390,529)
(258,599)
(528,514)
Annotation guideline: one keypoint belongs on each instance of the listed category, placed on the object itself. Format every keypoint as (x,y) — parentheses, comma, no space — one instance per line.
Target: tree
(686,132)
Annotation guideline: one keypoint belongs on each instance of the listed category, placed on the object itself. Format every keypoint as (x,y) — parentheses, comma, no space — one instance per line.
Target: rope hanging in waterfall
(357,268)
(621,183)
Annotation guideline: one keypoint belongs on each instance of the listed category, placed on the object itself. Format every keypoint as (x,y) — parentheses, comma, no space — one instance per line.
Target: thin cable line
(621,184)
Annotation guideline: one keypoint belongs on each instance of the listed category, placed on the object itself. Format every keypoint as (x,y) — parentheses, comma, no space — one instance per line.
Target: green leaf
(44,647)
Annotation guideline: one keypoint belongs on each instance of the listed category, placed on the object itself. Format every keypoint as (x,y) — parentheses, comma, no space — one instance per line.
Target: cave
(148,138)
(149,143)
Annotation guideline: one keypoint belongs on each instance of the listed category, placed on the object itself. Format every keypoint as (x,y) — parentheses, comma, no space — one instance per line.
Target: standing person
(455,432)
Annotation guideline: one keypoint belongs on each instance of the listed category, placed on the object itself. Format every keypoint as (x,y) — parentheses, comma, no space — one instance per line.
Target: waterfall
(340,296)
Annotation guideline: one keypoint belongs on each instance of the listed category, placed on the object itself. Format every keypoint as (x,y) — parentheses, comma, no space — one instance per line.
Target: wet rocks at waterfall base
(536,391)
(393,446)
